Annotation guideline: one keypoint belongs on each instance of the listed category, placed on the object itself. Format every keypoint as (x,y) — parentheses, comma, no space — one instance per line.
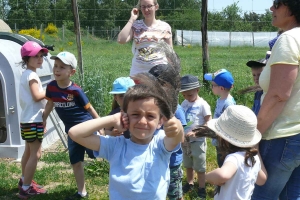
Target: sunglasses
(277,3)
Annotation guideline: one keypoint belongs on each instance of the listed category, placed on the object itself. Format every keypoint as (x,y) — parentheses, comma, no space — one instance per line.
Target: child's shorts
(76,152)
(32,131)
(197,160)
(175,187)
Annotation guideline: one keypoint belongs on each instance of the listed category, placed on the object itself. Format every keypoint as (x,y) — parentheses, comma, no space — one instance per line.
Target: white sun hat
(237,125)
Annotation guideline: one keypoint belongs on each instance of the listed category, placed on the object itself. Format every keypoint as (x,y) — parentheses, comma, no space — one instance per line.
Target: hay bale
(4,27)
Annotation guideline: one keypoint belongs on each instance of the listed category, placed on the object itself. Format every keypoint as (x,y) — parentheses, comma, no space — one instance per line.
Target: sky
(257,6)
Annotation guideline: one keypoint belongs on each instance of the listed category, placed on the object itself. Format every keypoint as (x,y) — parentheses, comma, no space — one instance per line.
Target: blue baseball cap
(221,77)
(121,85)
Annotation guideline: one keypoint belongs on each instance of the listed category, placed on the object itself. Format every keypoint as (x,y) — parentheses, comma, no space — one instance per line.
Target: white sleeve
(206,109)
(231,158)
(33,76)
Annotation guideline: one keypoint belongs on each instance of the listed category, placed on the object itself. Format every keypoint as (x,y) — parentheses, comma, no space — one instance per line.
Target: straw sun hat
(237,125)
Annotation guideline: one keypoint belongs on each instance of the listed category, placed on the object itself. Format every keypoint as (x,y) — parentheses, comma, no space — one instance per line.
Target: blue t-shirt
(176,157)
(136,171)
(256,103)
(222,104)
(70,103)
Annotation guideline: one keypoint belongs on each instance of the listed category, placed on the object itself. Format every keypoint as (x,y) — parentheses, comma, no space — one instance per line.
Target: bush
(69,25)
(33,32)
(51,29)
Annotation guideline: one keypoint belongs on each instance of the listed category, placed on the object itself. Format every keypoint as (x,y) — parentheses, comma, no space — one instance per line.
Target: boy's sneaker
(77,196)
(33,183)
(187,187)
(201,193)
(31,191)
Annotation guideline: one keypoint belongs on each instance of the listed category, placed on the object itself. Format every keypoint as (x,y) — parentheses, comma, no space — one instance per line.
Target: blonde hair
(138,5)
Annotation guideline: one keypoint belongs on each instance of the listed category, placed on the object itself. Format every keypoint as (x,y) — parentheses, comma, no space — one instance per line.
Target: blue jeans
(281,158)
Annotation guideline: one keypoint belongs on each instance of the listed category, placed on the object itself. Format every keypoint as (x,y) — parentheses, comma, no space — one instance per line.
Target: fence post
(16,28)
(87,32)
(253,39)
(229,38)
(93,31)
(41,32)
(181,37)
(63,32)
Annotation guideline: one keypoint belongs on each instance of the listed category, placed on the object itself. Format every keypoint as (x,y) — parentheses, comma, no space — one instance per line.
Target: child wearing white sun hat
(242,167)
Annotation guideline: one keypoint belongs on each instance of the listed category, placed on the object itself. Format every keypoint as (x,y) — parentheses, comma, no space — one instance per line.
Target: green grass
(103,62)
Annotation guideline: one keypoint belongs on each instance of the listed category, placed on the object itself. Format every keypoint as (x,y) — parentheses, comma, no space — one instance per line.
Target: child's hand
(171,127)
(44,126)
(101,132)
(190,134)
(134,14)
(116,132)
(120,119)
(125,120)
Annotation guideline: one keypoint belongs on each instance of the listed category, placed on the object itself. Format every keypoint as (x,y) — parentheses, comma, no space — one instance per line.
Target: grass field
(103,62)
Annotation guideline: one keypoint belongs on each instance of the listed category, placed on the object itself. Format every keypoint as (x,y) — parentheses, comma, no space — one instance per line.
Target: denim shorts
(281,158)
(76,152)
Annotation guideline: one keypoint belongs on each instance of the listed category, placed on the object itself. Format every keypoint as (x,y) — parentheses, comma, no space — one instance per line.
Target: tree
(22,13)
(3,9)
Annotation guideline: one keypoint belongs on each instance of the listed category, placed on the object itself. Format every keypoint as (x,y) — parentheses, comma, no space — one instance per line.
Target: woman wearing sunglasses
(279,115)
(146,33)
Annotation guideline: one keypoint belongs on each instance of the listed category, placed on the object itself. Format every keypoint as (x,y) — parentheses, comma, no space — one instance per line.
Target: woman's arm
(219,176)
(282,79)
(169,41)
(126,33)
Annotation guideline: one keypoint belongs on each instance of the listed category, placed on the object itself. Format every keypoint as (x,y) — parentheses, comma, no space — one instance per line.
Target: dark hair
(24,61)
(114,105)
(140,92)
(228,148)
(294,7)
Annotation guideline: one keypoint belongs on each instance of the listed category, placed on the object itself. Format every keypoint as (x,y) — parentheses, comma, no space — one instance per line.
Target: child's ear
(73,71)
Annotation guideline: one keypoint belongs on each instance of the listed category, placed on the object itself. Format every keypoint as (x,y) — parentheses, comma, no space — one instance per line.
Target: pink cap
(31,48)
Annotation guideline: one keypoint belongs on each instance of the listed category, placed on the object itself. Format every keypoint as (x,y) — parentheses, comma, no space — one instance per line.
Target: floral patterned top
(144,40)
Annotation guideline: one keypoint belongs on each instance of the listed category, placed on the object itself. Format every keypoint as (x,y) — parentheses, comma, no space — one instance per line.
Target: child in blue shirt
(221,83)
(139,166)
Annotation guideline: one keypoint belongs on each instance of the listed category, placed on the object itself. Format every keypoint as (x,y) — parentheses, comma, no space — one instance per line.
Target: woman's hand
(134,14)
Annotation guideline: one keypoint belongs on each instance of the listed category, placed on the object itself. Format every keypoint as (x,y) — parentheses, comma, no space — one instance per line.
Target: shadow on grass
(12,194)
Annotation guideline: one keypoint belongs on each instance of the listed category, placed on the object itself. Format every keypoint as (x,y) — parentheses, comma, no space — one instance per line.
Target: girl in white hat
(242,168)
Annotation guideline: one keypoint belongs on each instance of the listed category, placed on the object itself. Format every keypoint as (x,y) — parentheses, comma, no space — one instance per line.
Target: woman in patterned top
(146,33)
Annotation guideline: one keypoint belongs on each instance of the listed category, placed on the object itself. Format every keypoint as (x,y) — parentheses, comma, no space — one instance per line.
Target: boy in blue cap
(221,84)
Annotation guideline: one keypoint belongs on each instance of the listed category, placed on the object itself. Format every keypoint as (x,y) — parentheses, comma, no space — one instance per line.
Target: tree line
(109,14)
